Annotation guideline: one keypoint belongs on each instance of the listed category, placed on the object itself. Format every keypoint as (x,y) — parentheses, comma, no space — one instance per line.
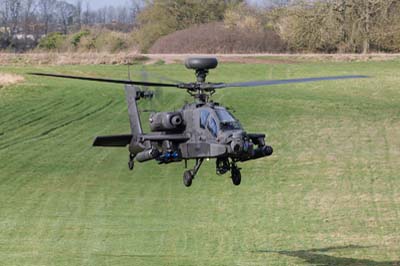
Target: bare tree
(78,13)
(4,23)
(10,15)
(110,14)
(15,8)
(47,8)
(359,18)
(28,15)
(101,15)
(122,15)
(135,7)
(65,13)
(86,14)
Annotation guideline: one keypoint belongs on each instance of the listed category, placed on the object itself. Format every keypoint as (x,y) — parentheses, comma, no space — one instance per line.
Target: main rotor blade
(283,81)
(118,81)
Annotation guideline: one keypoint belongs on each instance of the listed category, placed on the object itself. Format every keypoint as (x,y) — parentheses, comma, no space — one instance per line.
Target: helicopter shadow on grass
(314,257)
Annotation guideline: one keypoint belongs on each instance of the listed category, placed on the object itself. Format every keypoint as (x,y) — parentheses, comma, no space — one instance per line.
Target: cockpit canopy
(222,120)
(226,120)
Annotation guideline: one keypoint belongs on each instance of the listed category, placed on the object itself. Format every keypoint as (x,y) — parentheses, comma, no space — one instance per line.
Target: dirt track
(126,58)
(277,58)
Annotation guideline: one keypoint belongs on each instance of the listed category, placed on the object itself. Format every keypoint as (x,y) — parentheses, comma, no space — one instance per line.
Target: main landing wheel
(236,176)
(187,178)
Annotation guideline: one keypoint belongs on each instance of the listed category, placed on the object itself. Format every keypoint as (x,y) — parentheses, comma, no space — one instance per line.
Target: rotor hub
(201,65)
(201,75)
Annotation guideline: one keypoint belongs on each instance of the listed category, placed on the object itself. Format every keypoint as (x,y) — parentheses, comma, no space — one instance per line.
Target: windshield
(227,121)
(212,126)
(203,118)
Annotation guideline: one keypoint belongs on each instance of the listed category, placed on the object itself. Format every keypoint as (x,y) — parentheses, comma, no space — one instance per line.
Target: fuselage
(212,129)
(198,130)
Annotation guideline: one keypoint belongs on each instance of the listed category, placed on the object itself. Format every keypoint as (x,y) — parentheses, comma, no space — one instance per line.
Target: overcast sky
(94,4)
(101,3)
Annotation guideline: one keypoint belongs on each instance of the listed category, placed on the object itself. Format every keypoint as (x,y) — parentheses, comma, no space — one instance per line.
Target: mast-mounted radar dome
(201,63)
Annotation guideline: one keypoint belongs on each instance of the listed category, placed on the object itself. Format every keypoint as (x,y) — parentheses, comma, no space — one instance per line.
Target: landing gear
(188,178)
(131,163)
(189,175)
(223,165)
(236,176)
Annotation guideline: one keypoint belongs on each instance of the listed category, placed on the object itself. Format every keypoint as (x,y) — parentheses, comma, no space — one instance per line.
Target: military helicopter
(200,130)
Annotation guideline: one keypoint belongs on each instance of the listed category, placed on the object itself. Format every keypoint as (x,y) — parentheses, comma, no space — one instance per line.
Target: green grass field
(329,195)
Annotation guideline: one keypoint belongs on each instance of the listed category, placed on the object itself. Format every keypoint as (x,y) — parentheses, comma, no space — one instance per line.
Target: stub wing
(161,137)
(124,140)
(112,141)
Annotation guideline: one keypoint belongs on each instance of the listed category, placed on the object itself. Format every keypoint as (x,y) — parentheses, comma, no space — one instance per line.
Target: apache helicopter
(200,130)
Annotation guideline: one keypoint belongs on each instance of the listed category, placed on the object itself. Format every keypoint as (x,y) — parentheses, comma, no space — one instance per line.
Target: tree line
(30,20)
(358,26)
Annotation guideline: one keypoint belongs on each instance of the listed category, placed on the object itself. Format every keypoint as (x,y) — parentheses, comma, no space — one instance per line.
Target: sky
(101,3)
(94,4)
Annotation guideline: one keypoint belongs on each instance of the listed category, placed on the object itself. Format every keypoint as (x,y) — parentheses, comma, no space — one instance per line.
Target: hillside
(329,195)
(217,38)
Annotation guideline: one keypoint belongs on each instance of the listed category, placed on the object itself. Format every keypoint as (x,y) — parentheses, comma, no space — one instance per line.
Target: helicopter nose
(237,145)
(240,144)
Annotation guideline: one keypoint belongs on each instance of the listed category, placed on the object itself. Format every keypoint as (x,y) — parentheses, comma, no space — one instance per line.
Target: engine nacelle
(166,121)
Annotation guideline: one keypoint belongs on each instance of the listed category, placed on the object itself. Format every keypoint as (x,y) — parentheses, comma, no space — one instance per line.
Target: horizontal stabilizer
(113,141)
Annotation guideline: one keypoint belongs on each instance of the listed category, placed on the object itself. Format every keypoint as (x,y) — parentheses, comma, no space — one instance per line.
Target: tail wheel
(236,176)
(131,164)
